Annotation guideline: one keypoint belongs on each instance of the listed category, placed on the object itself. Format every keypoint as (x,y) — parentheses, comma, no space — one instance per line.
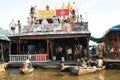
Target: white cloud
(101,14)
(100,23)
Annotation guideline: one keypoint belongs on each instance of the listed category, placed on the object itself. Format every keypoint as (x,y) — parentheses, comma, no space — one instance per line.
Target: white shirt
(44,21)
(100,62)
(69,51)
(12,24)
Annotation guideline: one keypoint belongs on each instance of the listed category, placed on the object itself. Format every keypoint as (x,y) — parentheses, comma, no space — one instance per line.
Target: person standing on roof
(12,26)
(47,7)
(19,26)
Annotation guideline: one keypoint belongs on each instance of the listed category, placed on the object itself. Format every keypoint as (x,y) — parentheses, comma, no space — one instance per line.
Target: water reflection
(100,77)
(51,74)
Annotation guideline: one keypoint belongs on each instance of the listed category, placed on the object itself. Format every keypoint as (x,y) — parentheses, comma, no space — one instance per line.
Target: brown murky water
(51,74)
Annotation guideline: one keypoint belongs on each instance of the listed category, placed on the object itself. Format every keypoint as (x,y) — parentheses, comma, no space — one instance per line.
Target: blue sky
(101,14)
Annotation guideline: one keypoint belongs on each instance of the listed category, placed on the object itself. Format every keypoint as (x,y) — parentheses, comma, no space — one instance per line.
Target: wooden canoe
(65,68)
(27,70)
(48,66)
(82,71)
(2,69)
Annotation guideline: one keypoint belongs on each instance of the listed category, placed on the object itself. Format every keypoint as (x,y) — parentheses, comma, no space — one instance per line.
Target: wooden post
(118,45)
(19,49)
(48,47)
(2,56)
(9,50)
(87,47)
(23,50)
(51,49)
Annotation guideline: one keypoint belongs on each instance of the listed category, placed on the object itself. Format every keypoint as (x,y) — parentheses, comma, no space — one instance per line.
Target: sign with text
(60,12)
(46,13)
(40,28)
(52,27)
(66,27)
(31,28)
(80,26)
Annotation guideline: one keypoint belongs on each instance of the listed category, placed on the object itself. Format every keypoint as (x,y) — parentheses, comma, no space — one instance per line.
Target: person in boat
(27,64)
(61,65)
(83,63)
(100,62)
(78,63)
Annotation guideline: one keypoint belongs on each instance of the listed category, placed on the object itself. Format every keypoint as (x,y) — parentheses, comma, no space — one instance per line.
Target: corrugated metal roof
(115,28)
(3,35)
(5,32)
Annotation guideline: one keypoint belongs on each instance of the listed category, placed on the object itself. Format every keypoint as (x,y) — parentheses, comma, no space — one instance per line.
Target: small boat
(27,70)
(46,66)
(65,68)
(2,69)
(82,71)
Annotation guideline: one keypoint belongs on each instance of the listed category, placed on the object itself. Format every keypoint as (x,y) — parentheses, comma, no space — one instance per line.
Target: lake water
(52,74)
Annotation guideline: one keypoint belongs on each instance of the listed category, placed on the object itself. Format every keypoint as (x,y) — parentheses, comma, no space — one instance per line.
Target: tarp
(98,40)
(103,39)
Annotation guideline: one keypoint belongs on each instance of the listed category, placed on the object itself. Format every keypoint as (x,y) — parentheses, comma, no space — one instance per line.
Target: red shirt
(47,7)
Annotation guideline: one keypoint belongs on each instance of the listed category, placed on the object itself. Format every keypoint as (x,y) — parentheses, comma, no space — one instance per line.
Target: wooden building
(112,42)
(4,41)
(40,43)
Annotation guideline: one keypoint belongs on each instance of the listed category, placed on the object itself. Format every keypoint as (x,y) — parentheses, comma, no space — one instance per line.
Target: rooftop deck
(50,29)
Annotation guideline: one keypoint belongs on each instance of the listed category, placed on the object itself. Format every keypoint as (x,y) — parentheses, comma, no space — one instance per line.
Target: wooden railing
(31,57)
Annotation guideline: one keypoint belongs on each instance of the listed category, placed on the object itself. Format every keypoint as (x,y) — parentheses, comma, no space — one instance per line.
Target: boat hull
(27,70)
(85,71)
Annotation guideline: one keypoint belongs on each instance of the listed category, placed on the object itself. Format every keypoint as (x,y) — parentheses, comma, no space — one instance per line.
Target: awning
(98,40)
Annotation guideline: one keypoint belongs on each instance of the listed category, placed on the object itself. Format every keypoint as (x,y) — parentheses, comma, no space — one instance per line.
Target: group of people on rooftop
(72,17)
(33,18)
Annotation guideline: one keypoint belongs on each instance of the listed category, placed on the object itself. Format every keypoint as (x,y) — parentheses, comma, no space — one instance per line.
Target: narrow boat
(48,66)
(27,70)
(82,71)
(65,68)
(2,69)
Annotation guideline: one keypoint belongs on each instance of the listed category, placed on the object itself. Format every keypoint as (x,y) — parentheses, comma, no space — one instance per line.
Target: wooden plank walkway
(112,60)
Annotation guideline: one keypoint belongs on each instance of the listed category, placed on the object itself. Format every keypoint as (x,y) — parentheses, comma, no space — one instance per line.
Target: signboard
(60,12)
(52,27)
(67,27)
(39,28)
(31,28)
(56,27)
(80,26)
(46,13)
